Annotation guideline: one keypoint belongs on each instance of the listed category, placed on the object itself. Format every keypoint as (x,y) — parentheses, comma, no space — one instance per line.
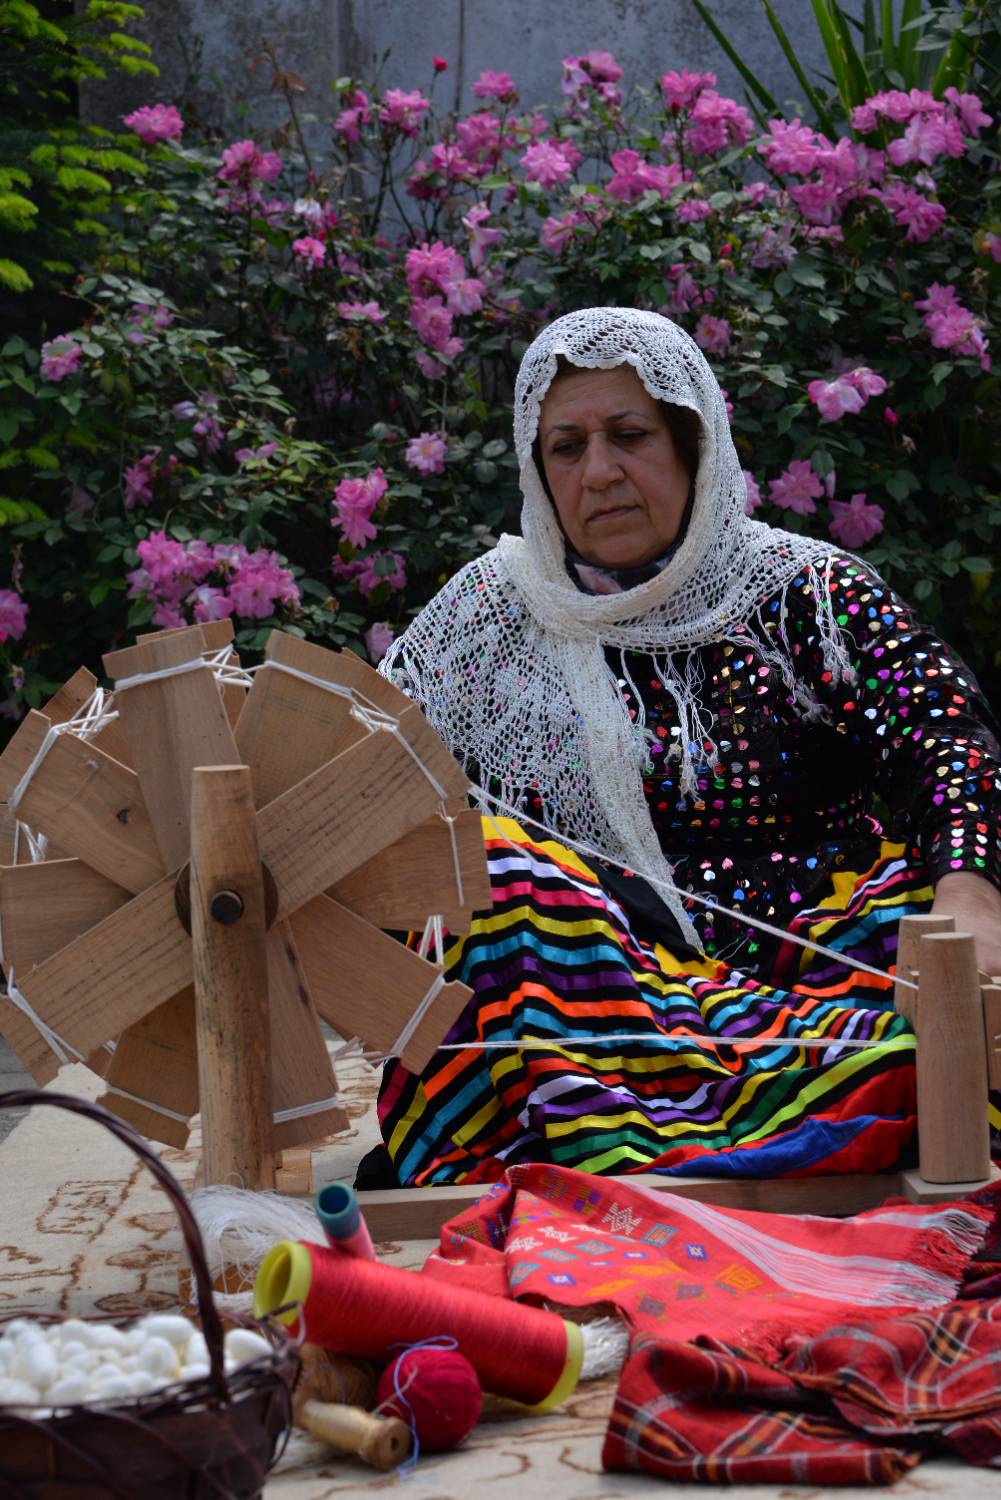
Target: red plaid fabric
(859,1404)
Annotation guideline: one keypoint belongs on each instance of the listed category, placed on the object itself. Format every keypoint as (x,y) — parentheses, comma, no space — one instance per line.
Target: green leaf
(823,117)
(805,272)
(750,78)
(14,277)
(494,448)
(485,471)
(140,613)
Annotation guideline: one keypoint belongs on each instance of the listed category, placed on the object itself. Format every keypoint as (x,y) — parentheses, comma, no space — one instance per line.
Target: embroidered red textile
(677,1268)
(858,1404)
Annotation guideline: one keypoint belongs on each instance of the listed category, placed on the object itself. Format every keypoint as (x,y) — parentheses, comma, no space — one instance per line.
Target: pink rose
(713,334)
(496,86)
(753,499)
(402,111)
(796,488)
(361,312)
(13,616)
(381,568)
(155,122)
(311,251)
(546,163)
(426,453)
(60,358)
(680,90)
(355,500)
(378,638)
(855,522)
(833,399)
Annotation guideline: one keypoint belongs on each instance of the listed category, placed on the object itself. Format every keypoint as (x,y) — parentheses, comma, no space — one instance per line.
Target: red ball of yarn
(441,1397)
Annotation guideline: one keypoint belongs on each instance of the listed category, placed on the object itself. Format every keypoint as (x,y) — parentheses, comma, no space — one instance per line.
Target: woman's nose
(601,463)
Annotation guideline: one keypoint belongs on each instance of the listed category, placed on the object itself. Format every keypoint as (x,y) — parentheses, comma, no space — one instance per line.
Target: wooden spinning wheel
(221,858)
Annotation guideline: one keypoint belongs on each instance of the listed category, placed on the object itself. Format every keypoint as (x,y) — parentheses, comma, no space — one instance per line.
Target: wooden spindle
(991,994)
(382,1442)
(231,979)
(953,1136)
(909,935)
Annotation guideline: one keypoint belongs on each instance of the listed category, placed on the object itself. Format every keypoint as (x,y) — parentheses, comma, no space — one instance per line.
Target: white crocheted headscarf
(508,660)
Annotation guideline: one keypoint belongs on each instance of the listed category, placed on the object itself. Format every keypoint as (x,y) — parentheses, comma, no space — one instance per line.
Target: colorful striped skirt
(590,1047)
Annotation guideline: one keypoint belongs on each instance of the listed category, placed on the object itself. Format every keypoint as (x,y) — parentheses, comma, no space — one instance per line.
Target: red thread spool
(362,1307)
(434,1390)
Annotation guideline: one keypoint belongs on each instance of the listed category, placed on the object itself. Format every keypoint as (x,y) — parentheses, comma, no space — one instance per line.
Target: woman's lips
(612,513)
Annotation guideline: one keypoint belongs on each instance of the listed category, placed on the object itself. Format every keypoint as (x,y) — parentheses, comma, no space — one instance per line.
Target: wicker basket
(210,1439)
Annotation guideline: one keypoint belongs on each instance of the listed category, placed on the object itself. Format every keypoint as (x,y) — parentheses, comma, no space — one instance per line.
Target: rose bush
(287,394)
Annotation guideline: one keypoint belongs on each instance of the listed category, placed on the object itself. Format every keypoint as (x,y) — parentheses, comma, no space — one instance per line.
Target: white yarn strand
(845,960)
(409,1030)
(158,1109)
(682,1042)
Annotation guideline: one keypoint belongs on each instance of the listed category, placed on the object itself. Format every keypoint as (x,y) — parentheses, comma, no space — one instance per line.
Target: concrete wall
(205,50)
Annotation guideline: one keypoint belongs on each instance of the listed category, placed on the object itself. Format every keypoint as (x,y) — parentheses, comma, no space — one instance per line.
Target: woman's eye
(628,437)
(570,445)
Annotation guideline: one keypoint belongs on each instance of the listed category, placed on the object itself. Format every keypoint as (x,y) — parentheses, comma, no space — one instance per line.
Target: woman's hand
(976,905)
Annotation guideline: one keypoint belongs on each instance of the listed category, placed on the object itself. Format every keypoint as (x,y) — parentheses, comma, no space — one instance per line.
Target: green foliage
(923,44)
(255,353)
(59,177)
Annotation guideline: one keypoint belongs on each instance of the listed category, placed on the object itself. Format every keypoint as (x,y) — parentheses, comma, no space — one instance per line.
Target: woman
(668,686)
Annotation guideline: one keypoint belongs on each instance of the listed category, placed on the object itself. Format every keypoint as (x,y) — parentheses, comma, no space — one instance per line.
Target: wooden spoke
(45,906)
(301,1070)
(392,888)
(95,808)
(183,715)
(109,978)
(368,985)
(213,636)
(323,722)
(352,807)
(157,1060)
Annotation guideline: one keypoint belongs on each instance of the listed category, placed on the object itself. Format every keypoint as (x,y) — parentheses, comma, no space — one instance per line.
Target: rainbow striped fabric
(556,960)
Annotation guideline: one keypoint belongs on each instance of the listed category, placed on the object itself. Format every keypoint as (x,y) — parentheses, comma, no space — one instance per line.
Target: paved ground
(12,1076)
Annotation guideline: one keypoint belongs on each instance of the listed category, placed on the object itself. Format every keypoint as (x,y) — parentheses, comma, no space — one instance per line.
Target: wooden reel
(219,865)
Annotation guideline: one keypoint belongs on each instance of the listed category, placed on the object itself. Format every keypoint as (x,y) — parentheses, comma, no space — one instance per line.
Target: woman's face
(617,480)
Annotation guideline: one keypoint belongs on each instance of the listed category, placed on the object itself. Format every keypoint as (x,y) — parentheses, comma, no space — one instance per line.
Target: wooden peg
(294,1172)
(909,935)
(992,1032)
(953,1133)
(229,955)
